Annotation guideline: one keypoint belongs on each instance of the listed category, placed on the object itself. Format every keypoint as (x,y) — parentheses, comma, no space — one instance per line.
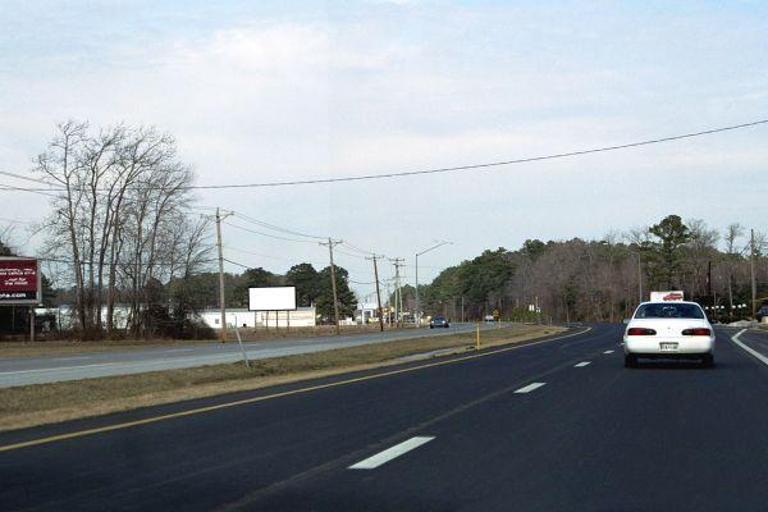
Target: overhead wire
(275,227)
(269,235)
(485,165)
(468,167)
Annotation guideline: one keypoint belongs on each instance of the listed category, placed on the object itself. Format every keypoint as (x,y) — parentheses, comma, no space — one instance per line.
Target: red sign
(19,281)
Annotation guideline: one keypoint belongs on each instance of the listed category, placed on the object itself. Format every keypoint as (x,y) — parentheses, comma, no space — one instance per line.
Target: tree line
(123,229)
(313,288)
(603,281)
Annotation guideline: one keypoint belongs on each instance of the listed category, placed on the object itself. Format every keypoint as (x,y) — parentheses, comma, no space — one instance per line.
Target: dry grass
(41,404)
(64,347)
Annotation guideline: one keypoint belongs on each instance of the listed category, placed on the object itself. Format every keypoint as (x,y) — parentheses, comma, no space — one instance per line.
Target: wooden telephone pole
(222,300)
(330,245)
(378,291)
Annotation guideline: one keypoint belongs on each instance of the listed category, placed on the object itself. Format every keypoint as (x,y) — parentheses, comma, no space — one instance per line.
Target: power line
(117,264)
(355,248)
(268,234)
(15,221)
(42,192)
(350,254)
(34,180)
(484,165)
(387,175)
(361,283)
(275,227)
(238,264)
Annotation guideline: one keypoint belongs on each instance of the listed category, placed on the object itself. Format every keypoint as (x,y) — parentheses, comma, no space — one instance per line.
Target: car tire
(708,361)
(630,361)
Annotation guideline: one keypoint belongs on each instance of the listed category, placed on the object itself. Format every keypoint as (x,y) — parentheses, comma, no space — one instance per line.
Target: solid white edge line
(530,387)
(387,455)
(760,357)
(582,364)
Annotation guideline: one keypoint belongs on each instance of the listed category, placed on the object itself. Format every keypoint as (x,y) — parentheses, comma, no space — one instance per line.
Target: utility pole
(417,313)
(397,262)
(389,306)
(330,245)
(378,291)
(752,270)
(222,303)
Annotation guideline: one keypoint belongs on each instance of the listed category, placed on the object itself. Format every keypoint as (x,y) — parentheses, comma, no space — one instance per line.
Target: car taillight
(698,331)
(640,331)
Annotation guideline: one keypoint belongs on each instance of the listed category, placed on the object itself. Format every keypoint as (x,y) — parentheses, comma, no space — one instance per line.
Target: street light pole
(418,300)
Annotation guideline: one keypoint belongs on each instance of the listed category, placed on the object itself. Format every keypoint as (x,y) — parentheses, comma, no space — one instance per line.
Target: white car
(669,330)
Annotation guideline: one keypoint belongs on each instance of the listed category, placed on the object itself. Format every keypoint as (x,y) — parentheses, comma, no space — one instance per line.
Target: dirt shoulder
(28,406)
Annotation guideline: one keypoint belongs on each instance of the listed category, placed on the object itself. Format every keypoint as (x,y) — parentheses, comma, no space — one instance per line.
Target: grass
(39,404)
(69,347)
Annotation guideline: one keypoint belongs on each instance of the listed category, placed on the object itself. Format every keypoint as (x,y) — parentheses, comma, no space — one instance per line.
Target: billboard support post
(31,323)
(272,298)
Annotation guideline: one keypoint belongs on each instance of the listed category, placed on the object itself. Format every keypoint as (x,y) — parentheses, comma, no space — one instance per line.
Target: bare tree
(123,204)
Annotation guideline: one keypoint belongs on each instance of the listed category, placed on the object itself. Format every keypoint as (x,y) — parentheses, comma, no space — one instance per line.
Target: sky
(272,90)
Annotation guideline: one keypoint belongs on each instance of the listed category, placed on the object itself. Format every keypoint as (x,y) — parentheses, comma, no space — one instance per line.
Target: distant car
(669,330)
(439,321)
(761,313)
(489,318)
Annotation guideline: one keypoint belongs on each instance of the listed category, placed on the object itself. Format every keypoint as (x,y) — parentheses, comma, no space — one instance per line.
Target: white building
(366,312)
(65,315)
(301,317)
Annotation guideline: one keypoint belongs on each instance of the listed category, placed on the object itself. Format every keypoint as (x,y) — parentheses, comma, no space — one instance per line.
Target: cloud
(349,92)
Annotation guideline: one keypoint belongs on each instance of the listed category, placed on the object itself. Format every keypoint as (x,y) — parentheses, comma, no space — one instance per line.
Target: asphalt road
(22,371)
(559,425)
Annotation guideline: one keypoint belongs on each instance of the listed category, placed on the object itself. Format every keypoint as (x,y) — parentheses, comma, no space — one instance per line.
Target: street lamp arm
(434,247)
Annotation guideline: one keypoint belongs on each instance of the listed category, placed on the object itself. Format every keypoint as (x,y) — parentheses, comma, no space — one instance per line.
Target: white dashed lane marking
(581,364)
(392,453)
(608,352)
(531,387)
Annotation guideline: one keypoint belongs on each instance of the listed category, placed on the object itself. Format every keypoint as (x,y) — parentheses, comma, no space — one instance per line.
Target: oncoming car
(669,330)
(439,321)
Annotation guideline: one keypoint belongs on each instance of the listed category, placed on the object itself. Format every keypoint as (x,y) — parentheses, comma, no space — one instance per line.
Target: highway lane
(464,436)
(21,371)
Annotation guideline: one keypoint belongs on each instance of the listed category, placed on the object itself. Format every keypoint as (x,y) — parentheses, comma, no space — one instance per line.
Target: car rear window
(669,310)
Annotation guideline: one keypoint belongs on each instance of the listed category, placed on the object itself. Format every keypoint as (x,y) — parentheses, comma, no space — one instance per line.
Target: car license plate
(668,347)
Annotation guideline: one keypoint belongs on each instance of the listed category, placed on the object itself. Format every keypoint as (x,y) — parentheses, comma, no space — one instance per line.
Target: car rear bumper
(684,346)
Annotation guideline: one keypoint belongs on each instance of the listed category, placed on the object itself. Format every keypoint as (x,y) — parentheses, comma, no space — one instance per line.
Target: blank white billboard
(273,298)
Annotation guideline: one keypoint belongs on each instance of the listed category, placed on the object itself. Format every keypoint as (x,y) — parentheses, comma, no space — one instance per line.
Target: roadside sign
(667,296)
(272,298)
(20,281)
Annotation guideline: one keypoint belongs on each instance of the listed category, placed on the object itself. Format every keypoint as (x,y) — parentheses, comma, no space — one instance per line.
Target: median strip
(389,454)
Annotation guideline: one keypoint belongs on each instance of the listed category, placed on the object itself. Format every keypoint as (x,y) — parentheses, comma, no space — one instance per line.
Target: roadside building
(366,312)
(241,317)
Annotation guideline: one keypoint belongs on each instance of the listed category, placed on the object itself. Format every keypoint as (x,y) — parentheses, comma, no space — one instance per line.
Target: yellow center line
(202,410)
